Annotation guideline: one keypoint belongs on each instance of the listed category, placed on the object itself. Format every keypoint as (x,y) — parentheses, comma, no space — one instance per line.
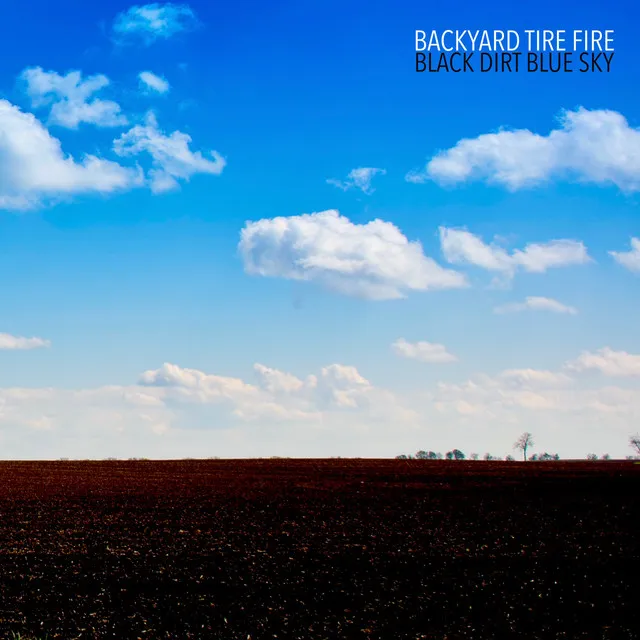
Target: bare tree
(634,443)
(474,456)
(523,443)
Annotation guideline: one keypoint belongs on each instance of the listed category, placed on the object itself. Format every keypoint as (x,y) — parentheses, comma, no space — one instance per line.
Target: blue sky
(193,263)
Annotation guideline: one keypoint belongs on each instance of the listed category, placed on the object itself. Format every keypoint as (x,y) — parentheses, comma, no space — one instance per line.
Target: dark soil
(320,549)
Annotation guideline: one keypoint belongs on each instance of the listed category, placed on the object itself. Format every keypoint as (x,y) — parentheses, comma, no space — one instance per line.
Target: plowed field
(319,549)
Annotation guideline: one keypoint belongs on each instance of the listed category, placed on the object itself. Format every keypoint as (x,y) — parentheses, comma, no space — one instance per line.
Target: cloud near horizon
(276,395)
(533,398)
(616,364)
(278,413)
(589,146)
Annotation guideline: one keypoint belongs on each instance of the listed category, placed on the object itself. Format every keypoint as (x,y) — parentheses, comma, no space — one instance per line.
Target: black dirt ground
(319,549)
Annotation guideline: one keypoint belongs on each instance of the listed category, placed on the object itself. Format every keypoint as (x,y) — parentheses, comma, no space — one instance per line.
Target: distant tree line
(523,443)
(457,454)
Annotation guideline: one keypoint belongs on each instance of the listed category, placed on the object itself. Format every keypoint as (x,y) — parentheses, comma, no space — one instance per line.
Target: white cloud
(150,22)
(34,170)
(590,146)
(373,261)
(343,386)
(534,378)
(8,341)
(358,179)
(191,385)
(153,82)
(536,303)
(608,362)
(276,382)
(84,422)
(279,395)
(462,247)
(172,159)
(177,412)
(423,351)
(513,395)
(629,259)
(71,98)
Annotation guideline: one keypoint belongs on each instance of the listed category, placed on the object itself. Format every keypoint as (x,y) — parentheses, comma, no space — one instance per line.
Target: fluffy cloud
(462,247)
(172,159)
(8,341)
(99,422)
(150,81)
(246,401)
(608,362)
(589,146)
(166,391)
(423,351)
(71,98)
(536,303)
(358,179)
(278,395)
(280,382)
(177,412)
(150,22)
(34,170)
(512,395)
(373,261)
(343,386)
(629,259)
(528,378)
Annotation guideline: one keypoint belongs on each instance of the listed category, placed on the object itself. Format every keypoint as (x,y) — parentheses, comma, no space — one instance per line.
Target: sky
(252,229)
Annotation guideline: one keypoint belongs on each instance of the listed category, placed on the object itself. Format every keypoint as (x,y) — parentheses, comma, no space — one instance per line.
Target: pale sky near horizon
(237,230)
